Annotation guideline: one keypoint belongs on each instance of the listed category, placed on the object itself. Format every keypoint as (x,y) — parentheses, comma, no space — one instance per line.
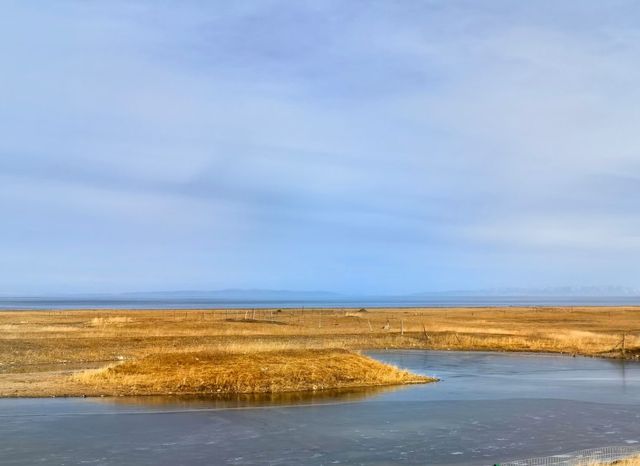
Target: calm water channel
(489,407)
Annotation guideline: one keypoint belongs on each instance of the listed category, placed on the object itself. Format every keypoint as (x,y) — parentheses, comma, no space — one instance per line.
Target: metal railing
(581,458)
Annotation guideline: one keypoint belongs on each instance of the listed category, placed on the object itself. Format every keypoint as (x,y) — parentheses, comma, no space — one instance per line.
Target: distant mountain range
(233,293)
(565,291)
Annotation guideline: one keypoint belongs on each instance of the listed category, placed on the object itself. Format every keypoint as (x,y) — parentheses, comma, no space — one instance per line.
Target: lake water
(488,408)
(45,303)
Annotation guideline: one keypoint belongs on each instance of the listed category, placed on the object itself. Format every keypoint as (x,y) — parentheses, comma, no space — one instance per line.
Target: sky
(349,146)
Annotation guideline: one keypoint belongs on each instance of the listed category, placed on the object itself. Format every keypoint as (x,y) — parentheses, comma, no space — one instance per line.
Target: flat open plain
(42,352)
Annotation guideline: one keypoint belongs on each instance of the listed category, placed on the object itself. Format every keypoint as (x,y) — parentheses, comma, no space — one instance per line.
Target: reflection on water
(250,400)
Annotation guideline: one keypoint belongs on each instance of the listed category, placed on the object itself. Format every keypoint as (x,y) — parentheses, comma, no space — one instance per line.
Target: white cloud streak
(400,147)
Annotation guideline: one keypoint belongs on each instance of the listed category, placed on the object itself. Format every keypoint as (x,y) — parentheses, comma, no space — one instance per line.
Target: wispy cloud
(351,146)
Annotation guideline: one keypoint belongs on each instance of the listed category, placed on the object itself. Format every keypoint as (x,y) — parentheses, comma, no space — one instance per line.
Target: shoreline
(267,373)
(351,307)
(73,340)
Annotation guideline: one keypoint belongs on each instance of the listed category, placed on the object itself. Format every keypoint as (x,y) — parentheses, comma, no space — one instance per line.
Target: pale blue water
(488,408)
(206,303)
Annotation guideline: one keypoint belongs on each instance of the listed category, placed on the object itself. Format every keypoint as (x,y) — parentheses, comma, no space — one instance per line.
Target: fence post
(426,335)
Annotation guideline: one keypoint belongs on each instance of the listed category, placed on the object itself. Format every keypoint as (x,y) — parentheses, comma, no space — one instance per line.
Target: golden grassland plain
(46,353)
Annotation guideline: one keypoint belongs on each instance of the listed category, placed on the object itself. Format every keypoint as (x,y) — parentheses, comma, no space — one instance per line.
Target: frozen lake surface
(488,408)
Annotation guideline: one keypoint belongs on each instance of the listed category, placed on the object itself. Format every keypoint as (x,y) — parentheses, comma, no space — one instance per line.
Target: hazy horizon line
(568,290)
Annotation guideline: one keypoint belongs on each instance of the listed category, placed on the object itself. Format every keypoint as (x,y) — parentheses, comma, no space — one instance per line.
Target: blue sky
(364,147)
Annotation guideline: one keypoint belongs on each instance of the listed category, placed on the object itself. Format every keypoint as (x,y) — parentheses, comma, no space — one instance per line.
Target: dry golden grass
(634,461)
(207,372)
(36,341)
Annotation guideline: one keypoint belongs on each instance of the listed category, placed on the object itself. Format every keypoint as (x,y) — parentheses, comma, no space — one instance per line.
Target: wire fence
(591,456)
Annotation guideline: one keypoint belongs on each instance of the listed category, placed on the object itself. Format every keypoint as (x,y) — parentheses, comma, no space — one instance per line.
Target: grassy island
(233,373)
